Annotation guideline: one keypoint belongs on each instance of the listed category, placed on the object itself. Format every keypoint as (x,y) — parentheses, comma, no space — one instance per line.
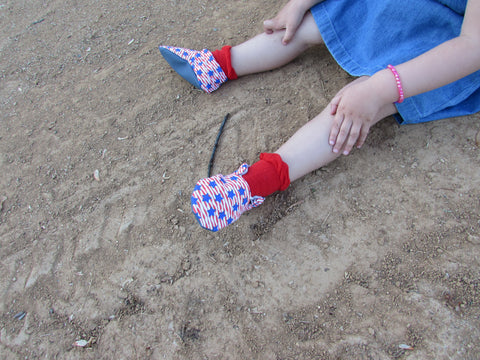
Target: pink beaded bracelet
(401,96)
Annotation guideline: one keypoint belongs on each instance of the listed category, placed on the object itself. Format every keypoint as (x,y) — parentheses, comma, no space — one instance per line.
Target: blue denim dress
(364,36)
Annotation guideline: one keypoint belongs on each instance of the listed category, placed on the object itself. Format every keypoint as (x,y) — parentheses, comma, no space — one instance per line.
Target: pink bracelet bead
(401,96)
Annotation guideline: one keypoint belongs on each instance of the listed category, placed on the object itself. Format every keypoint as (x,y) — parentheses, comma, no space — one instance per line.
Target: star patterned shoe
(199,68)
(219,200)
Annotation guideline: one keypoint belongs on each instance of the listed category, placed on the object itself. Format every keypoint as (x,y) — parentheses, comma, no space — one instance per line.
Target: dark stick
(210,164)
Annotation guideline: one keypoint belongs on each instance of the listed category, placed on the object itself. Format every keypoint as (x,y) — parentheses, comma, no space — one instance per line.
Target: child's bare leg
(308,149)
(208,70)
(220,200)
(266,51)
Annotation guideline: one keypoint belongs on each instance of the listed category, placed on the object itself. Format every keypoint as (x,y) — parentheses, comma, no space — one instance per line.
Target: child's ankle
(268,175)
(224,59)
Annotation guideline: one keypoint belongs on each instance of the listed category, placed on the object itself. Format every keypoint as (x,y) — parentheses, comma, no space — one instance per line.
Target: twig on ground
(210,164)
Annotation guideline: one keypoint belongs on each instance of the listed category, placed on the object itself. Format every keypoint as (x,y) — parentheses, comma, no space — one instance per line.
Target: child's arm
(289,18)
(357,107)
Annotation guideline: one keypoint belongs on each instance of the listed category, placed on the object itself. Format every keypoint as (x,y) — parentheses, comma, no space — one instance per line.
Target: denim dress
(364,36)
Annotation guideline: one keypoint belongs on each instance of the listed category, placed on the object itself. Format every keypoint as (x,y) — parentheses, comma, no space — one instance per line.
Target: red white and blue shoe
(219,200)
(199,68)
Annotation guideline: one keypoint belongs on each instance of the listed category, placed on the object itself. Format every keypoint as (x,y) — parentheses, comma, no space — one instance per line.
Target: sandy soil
(376,250)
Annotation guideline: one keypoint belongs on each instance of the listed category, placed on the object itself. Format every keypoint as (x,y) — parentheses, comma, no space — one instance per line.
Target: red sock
(223,58)
(268,175)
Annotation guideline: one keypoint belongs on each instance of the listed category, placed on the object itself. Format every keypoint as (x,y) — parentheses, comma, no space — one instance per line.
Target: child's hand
(356,108)
(289,19)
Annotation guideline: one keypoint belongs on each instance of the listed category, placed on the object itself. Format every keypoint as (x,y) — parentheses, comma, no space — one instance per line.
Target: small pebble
(2,200)
(186,265)
(80,343)
(20,315)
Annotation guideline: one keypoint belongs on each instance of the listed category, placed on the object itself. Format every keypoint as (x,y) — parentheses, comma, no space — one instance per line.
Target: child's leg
(266,51)
(208,70)
(220,200)
(308,149)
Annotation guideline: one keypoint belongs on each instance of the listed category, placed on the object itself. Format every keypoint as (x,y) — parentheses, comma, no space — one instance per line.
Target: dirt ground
(375,256)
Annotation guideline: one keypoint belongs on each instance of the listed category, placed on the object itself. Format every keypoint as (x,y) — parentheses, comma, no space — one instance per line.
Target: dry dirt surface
(375,256)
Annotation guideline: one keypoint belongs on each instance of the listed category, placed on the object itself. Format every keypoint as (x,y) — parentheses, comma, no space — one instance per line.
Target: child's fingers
(352,139)
(290,31)
(337,122)
(339,132)
(362,137)
(269,26)
(342,135)
(274,24)
(334,105)
(333,108)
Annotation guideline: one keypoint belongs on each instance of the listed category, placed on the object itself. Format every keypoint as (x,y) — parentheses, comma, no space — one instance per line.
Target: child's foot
(199,68)
(219,200)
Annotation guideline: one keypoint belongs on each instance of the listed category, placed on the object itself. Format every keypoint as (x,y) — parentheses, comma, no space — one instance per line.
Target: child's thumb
(268,25)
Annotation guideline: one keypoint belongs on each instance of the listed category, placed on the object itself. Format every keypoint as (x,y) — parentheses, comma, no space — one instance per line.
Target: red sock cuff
(224,59)
(281,168)
(268,175)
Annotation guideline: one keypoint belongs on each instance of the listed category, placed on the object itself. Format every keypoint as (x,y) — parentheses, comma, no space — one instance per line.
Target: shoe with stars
(199,68)
(220,200)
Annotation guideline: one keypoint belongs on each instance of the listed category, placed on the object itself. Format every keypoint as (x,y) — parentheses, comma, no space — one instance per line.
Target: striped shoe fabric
(199,68)
(219,200)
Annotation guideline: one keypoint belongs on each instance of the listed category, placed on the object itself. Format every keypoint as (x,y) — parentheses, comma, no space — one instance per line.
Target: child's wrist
(386,86)
(398,81)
